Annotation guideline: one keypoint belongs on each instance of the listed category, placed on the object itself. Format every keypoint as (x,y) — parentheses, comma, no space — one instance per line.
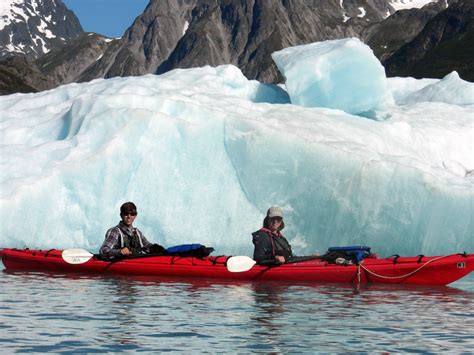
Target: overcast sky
(107,17)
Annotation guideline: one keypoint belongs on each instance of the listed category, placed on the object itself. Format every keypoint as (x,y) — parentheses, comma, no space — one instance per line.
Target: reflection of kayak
(437,270)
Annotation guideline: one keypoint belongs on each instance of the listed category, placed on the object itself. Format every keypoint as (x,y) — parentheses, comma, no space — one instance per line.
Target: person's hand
(125,251)
(279,258)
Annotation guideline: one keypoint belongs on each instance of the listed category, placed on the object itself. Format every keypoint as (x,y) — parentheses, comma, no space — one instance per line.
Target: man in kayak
(124,239)
(271,247)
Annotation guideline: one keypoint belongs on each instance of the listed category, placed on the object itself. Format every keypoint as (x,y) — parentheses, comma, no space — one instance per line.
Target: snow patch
(44,48)
(409,4)
(8,9)
(185,28)
(42,28)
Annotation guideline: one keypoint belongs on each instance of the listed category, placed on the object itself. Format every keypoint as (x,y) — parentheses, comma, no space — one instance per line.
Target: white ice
(341,74)
(204,152)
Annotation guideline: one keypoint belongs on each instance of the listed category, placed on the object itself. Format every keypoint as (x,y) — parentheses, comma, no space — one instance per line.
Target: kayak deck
(433,270)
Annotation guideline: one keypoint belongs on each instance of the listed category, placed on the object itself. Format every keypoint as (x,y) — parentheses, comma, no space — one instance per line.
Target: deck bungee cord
(360,266)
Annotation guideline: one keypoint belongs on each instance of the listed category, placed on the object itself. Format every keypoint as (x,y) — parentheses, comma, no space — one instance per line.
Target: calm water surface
(42,312)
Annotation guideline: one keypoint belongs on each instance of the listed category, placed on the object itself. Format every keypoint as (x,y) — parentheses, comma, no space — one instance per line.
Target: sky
(107,17)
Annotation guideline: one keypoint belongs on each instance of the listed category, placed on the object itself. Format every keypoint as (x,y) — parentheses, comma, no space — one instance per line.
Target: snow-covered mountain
(33,27)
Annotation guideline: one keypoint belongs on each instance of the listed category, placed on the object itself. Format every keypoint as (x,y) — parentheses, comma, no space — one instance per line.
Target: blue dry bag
(356,253)
(196,250)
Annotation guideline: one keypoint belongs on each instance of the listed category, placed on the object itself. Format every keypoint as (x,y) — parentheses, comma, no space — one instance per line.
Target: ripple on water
(59,313)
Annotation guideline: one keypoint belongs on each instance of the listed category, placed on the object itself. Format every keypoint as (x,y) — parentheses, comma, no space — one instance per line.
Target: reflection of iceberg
(204,152)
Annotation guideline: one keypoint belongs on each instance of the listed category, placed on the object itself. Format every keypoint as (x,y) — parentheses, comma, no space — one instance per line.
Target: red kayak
(421,270)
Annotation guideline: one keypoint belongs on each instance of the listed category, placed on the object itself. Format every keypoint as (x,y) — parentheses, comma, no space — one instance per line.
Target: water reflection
(58,312)
(269,302)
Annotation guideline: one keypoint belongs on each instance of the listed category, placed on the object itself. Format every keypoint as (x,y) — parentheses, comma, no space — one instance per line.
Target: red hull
(407,270)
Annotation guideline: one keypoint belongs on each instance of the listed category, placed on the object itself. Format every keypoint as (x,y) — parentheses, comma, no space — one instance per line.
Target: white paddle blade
(240,263)
(76,256)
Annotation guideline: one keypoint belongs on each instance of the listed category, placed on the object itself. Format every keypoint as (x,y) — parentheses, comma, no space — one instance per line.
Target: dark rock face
(65,64)
(389,35)
(243,33)
(34,27)
(147,43)
(445,44)
(427,42)
(17,74)
(58,67)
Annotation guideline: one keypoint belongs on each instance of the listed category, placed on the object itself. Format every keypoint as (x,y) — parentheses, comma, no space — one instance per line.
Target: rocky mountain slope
(65,64)
(188,33)
(387,36)
(445,43)
(191,33)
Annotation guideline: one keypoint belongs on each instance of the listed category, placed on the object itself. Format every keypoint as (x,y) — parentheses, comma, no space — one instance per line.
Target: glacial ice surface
(204,152)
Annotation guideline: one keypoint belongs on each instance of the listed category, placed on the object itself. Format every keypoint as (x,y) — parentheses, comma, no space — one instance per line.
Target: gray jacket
(122,236)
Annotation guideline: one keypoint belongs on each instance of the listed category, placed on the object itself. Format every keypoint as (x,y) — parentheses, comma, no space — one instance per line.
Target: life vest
(280,245)
(133,243)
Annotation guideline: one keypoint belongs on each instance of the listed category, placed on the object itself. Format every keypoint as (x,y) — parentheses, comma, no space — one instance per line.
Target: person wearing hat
(271,247)
(124,239)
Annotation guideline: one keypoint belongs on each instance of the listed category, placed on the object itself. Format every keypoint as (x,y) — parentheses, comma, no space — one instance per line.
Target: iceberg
(204,152)
(341,74)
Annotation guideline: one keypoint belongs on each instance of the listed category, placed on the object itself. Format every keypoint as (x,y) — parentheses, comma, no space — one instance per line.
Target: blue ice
(204,152)
(341,74)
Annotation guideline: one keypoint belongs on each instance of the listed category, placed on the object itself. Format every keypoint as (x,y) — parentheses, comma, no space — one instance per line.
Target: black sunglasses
(129,214)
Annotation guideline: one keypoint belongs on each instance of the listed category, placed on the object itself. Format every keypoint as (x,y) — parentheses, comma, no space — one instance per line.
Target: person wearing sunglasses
(124,239)
(271,247)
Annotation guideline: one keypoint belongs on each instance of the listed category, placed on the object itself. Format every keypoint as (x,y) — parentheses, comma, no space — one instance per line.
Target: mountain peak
(32,27)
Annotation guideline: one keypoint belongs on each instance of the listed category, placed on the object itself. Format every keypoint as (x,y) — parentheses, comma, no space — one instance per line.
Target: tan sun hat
(275,212)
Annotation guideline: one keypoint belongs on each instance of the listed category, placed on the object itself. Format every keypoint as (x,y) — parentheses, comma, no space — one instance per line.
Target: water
(42,312)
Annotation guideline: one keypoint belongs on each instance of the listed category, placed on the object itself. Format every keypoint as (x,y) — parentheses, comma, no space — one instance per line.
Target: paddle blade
(240,263)
(76,256)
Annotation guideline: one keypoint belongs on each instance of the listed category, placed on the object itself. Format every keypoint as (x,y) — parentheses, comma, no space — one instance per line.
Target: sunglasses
(277,219)
(130,214)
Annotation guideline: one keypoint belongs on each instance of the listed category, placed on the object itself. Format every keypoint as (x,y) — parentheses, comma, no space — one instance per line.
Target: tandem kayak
(421,270)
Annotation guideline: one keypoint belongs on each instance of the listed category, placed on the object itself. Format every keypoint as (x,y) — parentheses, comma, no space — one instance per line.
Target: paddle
(240,263)
(234,263)
(76,256)
(244,263)
(299,259)
(80,256)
